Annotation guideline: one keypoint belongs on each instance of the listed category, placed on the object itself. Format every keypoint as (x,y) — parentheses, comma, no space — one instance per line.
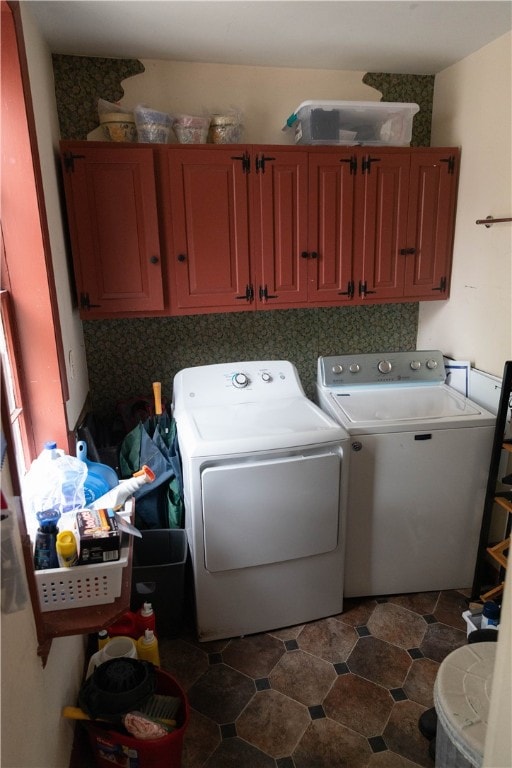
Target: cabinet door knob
(182,257)
(154,259)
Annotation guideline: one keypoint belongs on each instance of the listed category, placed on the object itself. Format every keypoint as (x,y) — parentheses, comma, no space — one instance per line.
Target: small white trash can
(462,693)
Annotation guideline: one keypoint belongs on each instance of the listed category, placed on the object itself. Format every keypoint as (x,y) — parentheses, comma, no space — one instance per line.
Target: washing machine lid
(378,409)
(252,426)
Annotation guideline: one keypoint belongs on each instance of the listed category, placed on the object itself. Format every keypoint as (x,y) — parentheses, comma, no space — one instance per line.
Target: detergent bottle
(147,648)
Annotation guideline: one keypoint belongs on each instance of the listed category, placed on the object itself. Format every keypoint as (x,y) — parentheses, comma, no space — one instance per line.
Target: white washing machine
(419,459)
(264,488)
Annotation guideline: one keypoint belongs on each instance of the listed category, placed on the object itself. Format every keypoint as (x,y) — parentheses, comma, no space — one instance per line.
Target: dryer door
(269,511)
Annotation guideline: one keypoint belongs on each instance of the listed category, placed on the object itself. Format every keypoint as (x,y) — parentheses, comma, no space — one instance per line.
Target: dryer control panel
(416,367)
(257,381)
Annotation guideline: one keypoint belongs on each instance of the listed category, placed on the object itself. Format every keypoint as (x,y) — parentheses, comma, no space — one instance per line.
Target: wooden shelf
(72,621)
(498,552)
(493,499)
(505,503)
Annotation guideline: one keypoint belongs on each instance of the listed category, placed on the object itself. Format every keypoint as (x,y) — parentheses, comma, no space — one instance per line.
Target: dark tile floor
(346,691)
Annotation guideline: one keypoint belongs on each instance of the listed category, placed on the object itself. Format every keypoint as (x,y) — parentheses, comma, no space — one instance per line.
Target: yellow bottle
(147,647)
(65,545)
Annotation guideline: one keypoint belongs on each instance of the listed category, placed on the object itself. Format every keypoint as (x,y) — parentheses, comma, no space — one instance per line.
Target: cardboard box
(100,539)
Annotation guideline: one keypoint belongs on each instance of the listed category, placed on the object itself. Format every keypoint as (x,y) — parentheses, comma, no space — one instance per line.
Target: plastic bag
(55,484)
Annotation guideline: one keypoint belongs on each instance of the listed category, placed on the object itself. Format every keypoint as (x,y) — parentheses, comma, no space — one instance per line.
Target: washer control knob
(240,380)
(337,369)
(265,376)
(384,366)
(415,365)
(431,364)
(354,367)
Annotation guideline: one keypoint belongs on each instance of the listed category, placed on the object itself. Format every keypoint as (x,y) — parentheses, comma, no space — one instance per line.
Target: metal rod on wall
(489,221)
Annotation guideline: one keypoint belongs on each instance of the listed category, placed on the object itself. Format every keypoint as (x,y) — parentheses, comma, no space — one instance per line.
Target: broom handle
(157,393)
(75,713)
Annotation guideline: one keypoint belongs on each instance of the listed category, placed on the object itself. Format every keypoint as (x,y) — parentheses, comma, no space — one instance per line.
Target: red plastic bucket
(112,748)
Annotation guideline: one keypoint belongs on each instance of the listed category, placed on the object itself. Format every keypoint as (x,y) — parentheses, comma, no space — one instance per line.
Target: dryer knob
(266,377)
(384,366)
(337,369)
(415,365)
(354,368)
(240,380)
(431,364)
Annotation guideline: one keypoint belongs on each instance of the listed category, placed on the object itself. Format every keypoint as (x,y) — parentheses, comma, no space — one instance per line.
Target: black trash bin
(158,576)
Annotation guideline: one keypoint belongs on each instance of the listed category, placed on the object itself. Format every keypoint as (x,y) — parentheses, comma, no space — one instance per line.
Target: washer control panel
(419,366)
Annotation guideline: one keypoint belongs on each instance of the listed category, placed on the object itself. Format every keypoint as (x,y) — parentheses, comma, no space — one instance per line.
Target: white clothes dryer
(418,469)
(265,493)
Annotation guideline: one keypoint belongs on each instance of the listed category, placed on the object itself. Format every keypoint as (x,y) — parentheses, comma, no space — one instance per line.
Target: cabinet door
(279,227)
(381,223)
(208,210)
(113,223)
(432,201)
(331,214)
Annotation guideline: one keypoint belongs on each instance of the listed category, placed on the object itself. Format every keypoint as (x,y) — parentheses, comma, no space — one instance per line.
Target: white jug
(119,647)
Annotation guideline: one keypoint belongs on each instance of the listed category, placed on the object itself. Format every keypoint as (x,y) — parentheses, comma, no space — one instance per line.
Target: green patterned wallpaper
(415,89)
(125,356)
(79,82)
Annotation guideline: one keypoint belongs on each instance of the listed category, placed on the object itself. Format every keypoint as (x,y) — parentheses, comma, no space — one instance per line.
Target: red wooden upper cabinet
(113,223)
(431,222)
(236,224)
(206,217)
(330,253)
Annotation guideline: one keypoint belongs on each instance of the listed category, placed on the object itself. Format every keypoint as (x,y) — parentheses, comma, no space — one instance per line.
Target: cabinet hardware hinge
(260,162)
(85,302)
(350,290)
(442,285)
(246,161)
(363,290)
(248,295)
(69,161)
(265,295)
(366,165)
(451,163)
(353,164)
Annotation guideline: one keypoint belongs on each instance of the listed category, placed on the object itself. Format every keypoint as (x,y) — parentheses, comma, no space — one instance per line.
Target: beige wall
(472,109)
(265,96)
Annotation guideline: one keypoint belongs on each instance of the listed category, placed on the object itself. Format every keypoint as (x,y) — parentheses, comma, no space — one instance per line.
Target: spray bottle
(116,497)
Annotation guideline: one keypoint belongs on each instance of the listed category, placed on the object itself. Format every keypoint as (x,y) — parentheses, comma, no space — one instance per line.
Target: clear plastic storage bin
(349,123)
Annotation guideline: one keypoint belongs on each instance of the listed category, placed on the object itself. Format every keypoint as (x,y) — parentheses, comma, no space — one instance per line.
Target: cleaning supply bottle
(146,618)
(45,552)
(133,624)
(147,647)
(116,497)
(490,615)
(67,553)
(50,451)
